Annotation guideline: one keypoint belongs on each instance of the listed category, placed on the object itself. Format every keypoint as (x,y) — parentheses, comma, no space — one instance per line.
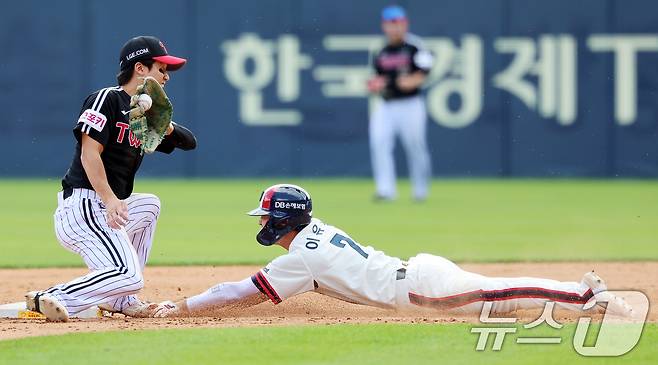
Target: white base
(18,310)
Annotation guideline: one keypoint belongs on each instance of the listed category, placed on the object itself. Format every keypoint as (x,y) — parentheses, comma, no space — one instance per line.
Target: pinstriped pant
(116,257)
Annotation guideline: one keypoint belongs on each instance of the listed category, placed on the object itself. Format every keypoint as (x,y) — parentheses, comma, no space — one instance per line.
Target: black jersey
(104,117)
(405,58)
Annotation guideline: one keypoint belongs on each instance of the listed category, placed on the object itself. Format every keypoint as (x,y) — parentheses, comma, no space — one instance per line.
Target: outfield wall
(519,87)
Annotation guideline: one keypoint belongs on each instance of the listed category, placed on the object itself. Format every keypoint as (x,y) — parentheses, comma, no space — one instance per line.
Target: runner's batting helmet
(289,208)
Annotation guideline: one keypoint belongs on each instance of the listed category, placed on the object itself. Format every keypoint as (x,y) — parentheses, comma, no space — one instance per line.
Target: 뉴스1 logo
(617,334)
(289,205)
(138,52)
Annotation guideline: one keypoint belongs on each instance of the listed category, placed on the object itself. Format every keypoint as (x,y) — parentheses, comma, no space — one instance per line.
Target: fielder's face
(395,30)
(158,71)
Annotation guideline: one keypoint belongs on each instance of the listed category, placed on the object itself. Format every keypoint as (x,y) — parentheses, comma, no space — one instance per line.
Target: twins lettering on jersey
(289,205)
(93,119)
(131,136)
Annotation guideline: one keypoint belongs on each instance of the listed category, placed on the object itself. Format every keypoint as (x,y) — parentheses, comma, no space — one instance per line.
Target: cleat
(616,305)
(107,308)
(594,282)
(377,198)
(47,305)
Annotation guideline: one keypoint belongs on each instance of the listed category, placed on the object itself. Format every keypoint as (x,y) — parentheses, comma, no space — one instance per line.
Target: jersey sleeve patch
(92,119)
(423,60)
(264,286)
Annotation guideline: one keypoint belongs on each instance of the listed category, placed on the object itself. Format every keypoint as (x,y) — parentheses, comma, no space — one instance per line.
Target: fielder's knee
(134,282)
(153,199)
(151,203)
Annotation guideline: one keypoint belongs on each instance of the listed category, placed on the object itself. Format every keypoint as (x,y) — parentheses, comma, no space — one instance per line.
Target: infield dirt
(173,283)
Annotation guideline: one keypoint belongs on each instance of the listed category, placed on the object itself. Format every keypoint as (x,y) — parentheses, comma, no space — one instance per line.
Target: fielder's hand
(406,83)
(411,81)
(117,213)
(377,84)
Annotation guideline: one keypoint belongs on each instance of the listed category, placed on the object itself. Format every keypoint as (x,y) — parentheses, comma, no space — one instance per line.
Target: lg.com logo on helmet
(289,205)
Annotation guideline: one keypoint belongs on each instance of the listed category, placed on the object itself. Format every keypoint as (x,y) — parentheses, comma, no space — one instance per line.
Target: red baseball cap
(145,48)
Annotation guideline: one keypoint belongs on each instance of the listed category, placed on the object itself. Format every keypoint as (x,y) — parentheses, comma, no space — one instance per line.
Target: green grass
(203,221)
(336,344)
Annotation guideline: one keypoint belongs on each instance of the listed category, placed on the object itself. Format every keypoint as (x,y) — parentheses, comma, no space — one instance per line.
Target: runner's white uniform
(325,259)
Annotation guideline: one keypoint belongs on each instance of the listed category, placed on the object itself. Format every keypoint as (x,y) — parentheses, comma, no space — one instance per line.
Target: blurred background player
(401,68)
(97,216)
(325,259)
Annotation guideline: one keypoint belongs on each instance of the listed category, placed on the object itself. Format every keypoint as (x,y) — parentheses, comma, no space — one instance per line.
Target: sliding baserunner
(324,259)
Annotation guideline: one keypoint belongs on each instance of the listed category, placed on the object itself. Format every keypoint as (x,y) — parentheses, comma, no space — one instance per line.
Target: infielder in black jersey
(98,216)
(400,70)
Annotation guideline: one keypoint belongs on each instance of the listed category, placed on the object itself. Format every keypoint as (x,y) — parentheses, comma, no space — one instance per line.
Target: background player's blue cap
(392,13)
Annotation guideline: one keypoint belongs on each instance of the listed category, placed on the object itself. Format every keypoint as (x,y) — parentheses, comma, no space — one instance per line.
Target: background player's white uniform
(325,259)
(400,113)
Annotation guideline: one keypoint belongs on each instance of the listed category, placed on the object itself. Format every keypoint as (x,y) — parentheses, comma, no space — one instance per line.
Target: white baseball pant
(116,257)
(435,282)
(407,118)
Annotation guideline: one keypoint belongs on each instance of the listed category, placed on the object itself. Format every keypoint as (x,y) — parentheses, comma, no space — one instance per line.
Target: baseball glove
(149,126)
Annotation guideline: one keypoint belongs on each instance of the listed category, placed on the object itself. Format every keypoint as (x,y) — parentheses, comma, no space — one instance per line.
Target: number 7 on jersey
(340,241)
